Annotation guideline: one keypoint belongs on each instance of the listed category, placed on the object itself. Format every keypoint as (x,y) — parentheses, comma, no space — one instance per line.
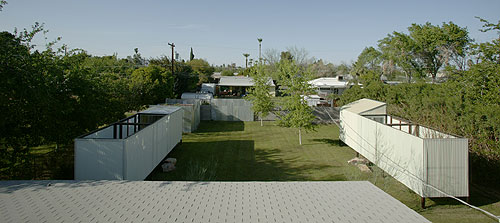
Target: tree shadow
(332,142)
(237,160)
(220,126)
(479,196)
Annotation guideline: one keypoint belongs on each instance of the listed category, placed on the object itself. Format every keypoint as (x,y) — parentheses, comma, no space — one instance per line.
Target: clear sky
(221,31)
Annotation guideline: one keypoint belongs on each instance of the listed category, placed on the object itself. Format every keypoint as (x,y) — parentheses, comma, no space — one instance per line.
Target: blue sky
(221,31)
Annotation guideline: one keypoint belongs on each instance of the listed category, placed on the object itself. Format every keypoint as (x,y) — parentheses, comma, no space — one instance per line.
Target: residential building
(238,86)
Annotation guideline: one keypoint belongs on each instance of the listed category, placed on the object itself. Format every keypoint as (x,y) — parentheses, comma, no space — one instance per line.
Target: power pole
(260,47)
(172,45)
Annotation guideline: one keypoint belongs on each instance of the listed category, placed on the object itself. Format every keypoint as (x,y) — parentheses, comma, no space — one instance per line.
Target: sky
(221,31)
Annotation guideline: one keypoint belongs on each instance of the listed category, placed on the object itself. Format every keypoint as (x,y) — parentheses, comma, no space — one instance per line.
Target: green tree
(184,80)
(400,49)
(2,4)
(369,59)
(297,113)
(227,72)
(202,69)
(259,94)
(151,85)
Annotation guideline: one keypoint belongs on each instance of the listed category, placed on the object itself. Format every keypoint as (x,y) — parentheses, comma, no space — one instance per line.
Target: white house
(330,85)
(237,86)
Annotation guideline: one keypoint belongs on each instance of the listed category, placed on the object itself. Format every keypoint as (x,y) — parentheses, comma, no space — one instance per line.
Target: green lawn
(245,151)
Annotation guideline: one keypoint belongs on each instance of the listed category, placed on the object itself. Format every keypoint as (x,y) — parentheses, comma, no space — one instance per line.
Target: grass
(245,151)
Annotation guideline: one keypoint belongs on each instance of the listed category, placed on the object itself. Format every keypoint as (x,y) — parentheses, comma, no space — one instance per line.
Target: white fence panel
(447,166)
(98,159)
(396,152)
(400,155)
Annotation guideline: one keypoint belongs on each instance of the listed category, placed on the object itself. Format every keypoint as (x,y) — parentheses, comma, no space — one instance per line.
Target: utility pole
(172,45)
(260,47)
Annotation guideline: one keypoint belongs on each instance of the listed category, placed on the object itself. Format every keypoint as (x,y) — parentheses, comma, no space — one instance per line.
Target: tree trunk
(261,121)
(300,137)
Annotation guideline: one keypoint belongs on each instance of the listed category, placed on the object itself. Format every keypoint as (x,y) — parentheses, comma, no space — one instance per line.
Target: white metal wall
(132,158)
(148,147)
(414,161)
(98,159)
(447,166)
(396,152)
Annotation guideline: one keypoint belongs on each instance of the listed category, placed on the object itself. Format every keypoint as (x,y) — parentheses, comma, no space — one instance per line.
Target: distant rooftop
(239,81)
(329,82)
(174,201)
(363,105)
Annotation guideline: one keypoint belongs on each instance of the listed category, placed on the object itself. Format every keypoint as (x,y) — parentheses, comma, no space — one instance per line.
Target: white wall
(147,148)
(132,158)
(396,152)
(447,166)
(98,159)
(105,133)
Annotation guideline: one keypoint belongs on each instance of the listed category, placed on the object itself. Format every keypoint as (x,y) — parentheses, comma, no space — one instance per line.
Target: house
(325,86)
(330,85)
(238,86)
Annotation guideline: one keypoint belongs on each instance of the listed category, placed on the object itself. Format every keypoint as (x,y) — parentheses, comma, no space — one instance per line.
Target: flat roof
(240,81)
(363,105)
(328,82)
(176,201)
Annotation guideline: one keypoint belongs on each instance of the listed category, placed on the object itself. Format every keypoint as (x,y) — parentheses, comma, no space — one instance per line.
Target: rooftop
(176,201)
(239,81)
(363,105)
(328,82)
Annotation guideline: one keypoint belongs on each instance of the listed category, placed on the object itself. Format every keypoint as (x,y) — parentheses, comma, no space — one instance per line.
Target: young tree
(259,93)
(296,87)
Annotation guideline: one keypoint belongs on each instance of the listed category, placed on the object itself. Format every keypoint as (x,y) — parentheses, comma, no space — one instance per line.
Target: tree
(191,55)
(227,72)
(426,49)
(435,45)
(320,69)
(370,58)
(286,55)
(202,69)
(2,4)
(297,113)
(272,56)
(259,94)
(246,55)
(184,79)
(151,85)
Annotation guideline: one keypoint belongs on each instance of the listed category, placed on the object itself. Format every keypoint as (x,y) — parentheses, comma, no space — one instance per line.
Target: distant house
(238,86)
(329,85)
(216,75)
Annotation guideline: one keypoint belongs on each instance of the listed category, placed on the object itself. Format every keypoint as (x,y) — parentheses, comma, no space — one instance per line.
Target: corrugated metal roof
(156,201)
(328,82)
(363,105)
(240,81)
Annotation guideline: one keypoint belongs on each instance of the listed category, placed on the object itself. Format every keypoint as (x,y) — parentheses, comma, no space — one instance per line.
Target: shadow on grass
(220,126)
(479,196)
(332,142)
(235,160)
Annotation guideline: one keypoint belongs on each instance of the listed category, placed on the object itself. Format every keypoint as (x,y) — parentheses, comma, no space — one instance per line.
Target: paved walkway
(147,201)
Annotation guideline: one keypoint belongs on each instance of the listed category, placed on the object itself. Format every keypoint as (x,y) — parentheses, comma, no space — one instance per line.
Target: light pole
(260,49)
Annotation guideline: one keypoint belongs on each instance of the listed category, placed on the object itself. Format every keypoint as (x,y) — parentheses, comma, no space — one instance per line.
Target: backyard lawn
(245,151)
